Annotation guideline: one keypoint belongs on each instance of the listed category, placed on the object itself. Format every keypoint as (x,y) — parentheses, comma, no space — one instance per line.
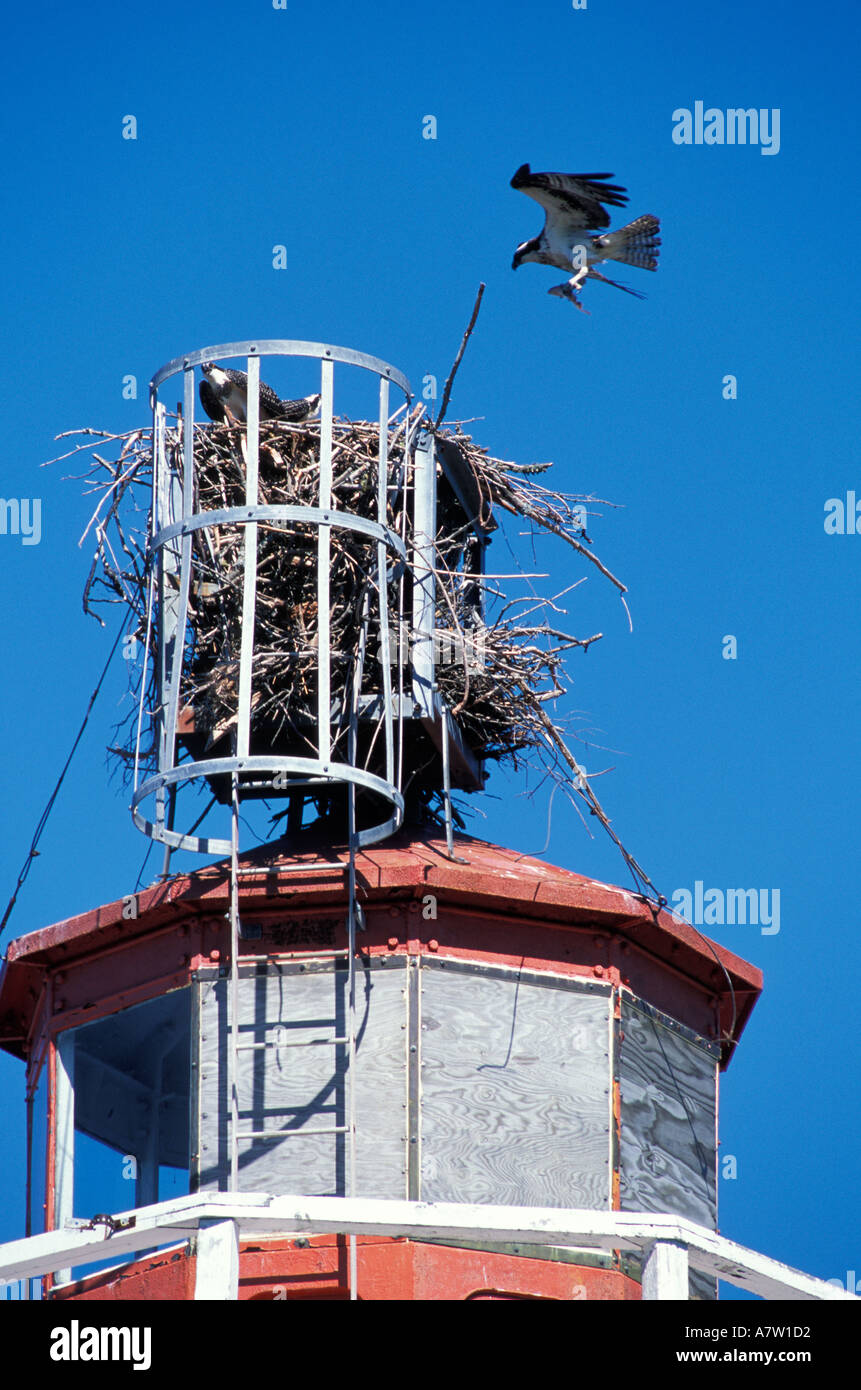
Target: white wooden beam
(64,1145)
(256,1213)
(665,1271)
(217,1250)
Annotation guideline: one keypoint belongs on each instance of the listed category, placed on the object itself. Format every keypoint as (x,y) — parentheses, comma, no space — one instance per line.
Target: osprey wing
(301,409)
(210,402)
(270,402)
(572,202)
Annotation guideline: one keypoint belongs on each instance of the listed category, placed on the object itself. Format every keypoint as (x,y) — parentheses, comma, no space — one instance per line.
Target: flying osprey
(574,207)
(222,386)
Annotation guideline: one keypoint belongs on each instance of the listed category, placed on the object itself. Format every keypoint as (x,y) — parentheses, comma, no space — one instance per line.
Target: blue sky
(303,127)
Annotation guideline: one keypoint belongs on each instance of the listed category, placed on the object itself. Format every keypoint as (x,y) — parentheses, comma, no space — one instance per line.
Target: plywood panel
(515,1104)
(667,1152)
(297,1089)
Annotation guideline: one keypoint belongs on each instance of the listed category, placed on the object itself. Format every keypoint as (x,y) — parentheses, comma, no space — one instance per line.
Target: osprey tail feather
(636,244)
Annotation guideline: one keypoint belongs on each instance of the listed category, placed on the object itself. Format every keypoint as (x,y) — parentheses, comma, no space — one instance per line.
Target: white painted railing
(669,1245)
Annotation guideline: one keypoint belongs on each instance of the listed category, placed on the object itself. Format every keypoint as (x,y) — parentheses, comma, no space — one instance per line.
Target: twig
(447,389)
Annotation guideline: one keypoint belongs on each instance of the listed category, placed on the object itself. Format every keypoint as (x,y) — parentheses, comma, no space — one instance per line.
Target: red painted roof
(409,865)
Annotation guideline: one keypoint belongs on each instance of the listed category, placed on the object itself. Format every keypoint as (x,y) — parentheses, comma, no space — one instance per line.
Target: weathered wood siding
(668,1152)
(299,1088)
(514,1084)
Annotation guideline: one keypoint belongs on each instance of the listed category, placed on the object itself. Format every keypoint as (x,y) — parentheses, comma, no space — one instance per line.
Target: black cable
(139,879)
(43,819)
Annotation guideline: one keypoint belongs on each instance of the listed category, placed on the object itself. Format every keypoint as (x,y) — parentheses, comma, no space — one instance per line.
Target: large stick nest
(497,674)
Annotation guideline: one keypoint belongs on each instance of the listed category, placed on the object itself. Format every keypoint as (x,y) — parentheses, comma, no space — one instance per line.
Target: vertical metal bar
(233,988)
(383,453)
(351,1048)
(324,555)
(28,1196)
(424,584)
(382,571)
(178,641)
(352,753)
(161,507)
(414,1060)
(327,379)
(249,550)
(404,643)
(52,1063)
(446,781)
(154,572)
(188,443)
(171,817)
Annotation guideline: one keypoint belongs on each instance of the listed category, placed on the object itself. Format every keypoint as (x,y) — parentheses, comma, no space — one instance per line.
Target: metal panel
(302,1089)
(515,1090)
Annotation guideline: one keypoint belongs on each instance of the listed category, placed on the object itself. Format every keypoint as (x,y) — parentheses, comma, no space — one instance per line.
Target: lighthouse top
(493,904)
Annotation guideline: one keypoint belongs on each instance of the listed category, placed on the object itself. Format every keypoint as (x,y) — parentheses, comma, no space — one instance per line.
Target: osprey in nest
(571,236)
(224,391)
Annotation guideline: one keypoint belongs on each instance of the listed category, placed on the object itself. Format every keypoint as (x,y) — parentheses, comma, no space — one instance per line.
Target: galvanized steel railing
(174,522)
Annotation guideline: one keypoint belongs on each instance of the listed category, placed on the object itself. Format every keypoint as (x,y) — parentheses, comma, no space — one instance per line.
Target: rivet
(433,945)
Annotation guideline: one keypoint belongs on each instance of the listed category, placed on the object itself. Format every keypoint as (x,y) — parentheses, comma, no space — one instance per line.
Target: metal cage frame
(174,520)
